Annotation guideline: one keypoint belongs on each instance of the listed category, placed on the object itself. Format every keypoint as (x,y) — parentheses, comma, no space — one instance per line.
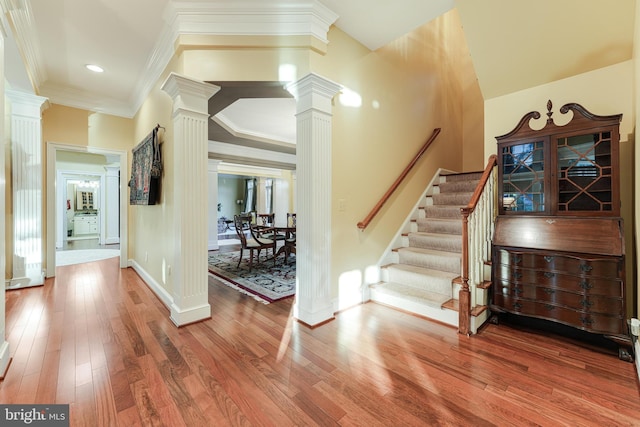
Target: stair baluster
(478,219)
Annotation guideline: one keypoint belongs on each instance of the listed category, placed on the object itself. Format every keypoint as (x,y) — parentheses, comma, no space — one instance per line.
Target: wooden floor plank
(97,338)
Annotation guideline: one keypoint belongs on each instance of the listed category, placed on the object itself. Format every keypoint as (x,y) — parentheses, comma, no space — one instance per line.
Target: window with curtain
(250,195)
(268,188)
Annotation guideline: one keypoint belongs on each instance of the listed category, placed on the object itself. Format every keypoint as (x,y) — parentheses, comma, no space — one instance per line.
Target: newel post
(464,296)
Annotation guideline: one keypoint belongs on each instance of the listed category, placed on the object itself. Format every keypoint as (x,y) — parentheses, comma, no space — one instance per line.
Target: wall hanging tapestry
(146,170)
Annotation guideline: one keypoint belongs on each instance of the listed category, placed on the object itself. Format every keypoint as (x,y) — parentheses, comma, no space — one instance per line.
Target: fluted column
(190,186)
(313,95)
(5,354)
(26,165)
(213,203)
(261,199)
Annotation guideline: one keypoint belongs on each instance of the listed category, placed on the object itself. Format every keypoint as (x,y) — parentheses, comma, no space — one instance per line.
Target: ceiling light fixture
(94,68)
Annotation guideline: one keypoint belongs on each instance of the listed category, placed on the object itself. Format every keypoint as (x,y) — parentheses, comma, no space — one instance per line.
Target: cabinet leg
(625,354)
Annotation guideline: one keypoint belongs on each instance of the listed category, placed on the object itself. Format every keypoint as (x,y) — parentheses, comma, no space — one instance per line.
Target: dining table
(289,246)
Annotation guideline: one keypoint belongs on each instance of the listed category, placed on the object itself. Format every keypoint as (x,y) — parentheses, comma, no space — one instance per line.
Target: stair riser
(451,199)
(448,317)
(420,281)
(439,226)
(451,212)
(463,177)
(452,265)
(438,244)
(458,187)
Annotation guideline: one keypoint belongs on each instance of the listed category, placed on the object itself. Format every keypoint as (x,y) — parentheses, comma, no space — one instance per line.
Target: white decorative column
(26,165)
(190,186)
(5,355)
(261,199)
(313,95)
(281,201)
(111,211)
(213,203)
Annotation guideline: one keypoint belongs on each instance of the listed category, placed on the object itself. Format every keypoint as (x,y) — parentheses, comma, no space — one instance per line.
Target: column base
(192,315)
(313,318)
(5,359)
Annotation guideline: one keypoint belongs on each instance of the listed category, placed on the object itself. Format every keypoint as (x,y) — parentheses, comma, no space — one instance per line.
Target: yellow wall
(73,126)
(636,156)
(151,237)
(408,88)
(603,92)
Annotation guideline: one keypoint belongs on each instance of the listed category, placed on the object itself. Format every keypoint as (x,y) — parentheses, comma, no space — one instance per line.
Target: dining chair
(253,243)
(266,227)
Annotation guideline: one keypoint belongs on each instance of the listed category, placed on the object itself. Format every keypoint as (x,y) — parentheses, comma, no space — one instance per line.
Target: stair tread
(435,299)
(430,252)
(423,270)
(443,236)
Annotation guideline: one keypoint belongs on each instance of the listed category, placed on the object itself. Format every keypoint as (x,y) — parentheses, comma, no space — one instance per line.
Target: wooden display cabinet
(558,248)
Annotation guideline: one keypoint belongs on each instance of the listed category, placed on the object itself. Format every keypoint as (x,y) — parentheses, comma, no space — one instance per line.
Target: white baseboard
(157,289)
(194,314)
(636,348)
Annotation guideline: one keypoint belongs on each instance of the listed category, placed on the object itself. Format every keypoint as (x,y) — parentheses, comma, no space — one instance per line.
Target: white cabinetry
(85,224)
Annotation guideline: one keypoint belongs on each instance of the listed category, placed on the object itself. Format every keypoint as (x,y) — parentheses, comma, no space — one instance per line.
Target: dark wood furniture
(558,247)
(252,243)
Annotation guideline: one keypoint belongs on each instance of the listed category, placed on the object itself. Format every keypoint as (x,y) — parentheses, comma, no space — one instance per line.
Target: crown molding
(71,97)
(225,18)
(232,153)
(233,17)
(20,19)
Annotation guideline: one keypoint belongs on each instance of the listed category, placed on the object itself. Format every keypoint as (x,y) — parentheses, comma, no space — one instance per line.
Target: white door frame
(52,213)
(63,177)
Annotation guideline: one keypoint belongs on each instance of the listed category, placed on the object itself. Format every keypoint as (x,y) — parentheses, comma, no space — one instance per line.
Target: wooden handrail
(365,222)
(493,161)
(464,297)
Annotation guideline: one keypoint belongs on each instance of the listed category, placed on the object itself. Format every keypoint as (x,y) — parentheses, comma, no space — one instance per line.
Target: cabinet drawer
(601,267)
(587,284)
(592,322)
(576,301)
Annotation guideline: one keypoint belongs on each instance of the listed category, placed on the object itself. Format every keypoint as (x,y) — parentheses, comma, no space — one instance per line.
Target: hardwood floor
(97,338)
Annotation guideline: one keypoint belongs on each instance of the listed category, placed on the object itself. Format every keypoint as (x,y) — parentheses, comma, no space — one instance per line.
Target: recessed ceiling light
(94,68)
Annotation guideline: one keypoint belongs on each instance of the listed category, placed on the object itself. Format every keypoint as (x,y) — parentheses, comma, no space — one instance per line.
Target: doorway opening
(86,205)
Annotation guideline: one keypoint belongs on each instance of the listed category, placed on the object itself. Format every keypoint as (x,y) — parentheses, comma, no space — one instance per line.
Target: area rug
(268,282)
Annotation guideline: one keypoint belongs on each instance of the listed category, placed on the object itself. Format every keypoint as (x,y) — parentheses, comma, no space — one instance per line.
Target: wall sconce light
(238,202)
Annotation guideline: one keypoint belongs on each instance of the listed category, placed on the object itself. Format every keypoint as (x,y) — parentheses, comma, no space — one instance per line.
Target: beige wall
(408,88)
(636,162)
(73,126)
(151,238)
(603,92)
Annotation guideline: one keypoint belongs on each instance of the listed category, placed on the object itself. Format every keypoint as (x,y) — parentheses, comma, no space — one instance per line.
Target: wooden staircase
(421,274)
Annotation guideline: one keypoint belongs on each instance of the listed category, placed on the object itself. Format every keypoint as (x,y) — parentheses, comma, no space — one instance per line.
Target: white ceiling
(59,37)
(524,45)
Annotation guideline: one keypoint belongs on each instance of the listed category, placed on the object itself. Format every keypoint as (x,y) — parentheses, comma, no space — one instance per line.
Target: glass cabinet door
(584,173)
(523,177)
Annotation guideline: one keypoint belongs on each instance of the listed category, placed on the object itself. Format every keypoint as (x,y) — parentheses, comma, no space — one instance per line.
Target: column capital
(189,94)
(213,164)
(313,92)
(26,104)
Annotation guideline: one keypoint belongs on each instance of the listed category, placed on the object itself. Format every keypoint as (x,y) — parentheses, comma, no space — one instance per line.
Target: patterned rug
(266,281)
